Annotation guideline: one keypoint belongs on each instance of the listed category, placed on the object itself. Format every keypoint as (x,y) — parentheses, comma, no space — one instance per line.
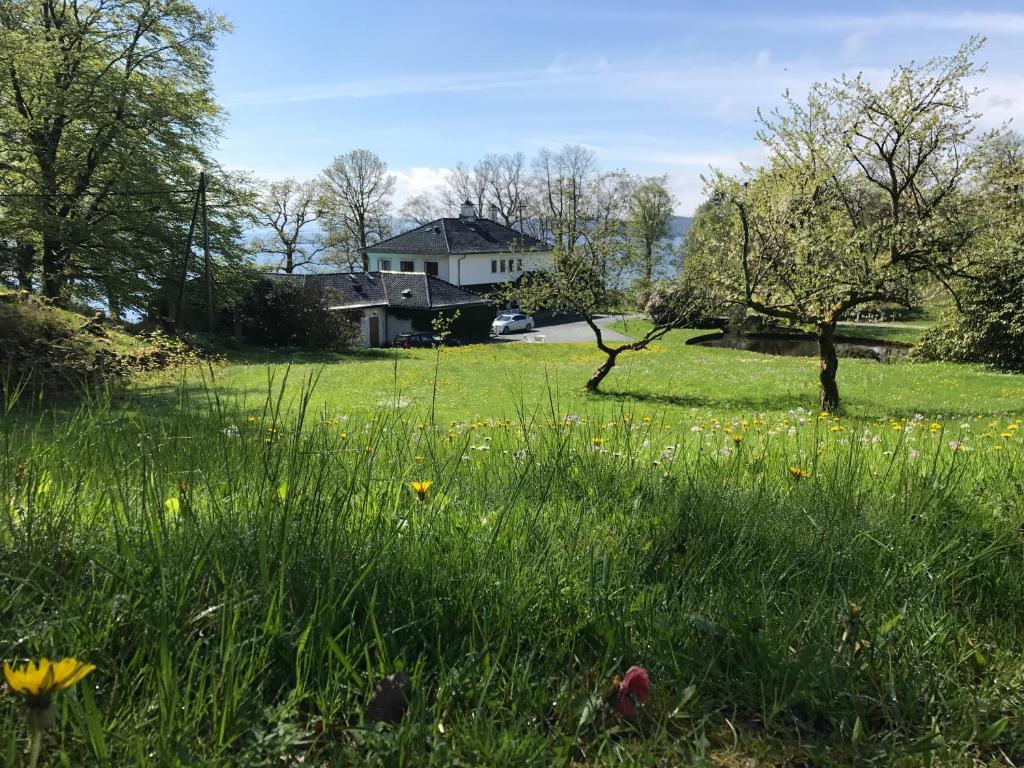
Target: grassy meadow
(239,552)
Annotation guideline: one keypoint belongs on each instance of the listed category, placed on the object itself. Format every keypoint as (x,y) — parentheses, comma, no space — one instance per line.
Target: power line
(112,193)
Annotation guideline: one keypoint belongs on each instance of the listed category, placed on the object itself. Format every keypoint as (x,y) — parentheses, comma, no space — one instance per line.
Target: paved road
(570,331)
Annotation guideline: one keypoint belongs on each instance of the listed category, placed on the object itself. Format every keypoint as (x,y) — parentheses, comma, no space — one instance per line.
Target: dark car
(420,339)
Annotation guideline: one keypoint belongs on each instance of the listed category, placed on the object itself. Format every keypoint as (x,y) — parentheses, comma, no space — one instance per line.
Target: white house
(471,251)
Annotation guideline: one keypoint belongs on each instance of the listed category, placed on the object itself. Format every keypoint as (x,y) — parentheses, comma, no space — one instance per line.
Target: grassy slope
(246,622)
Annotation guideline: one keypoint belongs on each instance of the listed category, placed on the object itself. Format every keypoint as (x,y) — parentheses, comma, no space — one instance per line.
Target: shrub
(276,313)
(989,326)
(39,348)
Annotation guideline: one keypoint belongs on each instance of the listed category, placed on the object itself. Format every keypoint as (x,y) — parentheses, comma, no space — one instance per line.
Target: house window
(502,265)
(408,266)
(384,265)
(494,265)
(430,267)
(519,263)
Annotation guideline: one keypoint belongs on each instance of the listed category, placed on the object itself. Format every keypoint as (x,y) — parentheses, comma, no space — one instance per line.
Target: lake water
(804,346)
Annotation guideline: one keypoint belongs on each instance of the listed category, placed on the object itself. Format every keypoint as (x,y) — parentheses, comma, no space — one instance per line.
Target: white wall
(476,268)
(396,260)
(471,269)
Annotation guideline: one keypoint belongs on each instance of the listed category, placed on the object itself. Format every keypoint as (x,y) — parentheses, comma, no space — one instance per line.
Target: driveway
(570,330)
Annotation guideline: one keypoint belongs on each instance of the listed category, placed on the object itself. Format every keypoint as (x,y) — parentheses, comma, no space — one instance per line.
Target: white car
(509,322)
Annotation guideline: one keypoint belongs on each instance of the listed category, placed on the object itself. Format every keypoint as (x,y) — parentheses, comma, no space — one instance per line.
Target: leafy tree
(278,312)
(987,324)
(290,210)
(586,213)
(98,98)
(650,214)
(860,197)
(356,198)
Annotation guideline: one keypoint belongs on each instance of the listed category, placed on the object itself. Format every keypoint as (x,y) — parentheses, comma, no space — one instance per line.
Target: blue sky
(654,87)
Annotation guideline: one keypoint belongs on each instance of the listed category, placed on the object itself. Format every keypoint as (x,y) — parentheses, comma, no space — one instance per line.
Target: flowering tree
(861,196)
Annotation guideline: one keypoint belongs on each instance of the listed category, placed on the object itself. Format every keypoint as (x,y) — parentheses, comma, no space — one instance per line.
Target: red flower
(634,689)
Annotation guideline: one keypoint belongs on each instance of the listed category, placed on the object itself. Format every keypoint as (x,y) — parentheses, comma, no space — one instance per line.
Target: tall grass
(242,574)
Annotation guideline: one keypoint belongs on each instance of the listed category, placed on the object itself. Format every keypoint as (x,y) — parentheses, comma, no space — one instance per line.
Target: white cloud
(417,180)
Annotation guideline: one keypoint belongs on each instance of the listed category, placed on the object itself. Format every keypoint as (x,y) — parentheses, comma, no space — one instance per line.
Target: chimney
(468,212)
(492,212)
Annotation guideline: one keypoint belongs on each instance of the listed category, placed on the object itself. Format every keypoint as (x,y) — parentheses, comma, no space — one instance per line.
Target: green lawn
(669,380)
(244,561)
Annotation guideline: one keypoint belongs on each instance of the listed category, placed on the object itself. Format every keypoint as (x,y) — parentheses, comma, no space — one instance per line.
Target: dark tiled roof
(415,290)
(445,236)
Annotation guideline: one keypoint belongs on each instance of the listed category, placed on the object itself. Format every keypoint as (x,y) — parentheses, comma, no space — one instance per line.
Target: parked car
(420,339)
(511,322)
(424,339)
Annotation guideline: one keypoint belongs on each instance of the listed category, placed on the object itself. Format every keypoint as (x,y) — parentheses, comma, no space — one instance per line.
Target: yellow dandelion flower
(1006,435)
(420,488)
(737,438)
(597,441)
(935,427)
(38,680)
(799,473)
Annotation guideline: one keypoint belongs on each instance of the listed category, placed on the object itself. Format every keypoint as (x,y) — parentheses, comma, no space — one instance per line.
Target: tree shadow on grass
(250,355)
(774,402)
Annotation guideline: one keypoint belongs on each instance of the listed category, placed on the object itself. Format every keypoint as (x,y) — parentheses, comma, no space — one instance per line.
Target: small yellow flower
(935,427)
(1006,435)
(737,438)
(420,488)
(799,473)
(597,442)
(37,680)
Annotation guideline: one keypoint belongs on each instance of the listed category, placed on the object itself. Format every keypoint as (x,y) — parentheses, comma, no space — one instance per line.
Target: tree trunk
(53,266)
(25,264)
(829,361)
(602,370)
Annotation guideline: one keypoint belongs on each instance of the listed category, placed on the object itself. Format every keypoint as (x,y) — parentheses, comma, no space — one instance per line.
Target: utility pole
(206,256)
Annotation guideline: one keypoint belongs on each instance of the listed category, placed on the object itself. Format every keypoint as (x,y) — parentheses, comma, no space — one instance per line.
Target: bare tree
(290,209)
(356,198)
(467,183)
(563,183)
(508,187)
(423,208)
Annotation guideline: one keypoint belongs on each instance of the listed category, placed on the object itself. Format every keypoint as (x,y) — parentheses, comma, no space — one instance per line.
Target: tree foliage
(107,115)
(650,217)
(861,195)
(987,324)
(279,313)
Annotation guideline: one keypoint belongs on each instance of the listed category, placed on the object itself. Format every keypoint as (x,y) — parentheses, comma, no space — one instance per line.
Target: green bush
(280,314)
(989,326)
(39,348)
